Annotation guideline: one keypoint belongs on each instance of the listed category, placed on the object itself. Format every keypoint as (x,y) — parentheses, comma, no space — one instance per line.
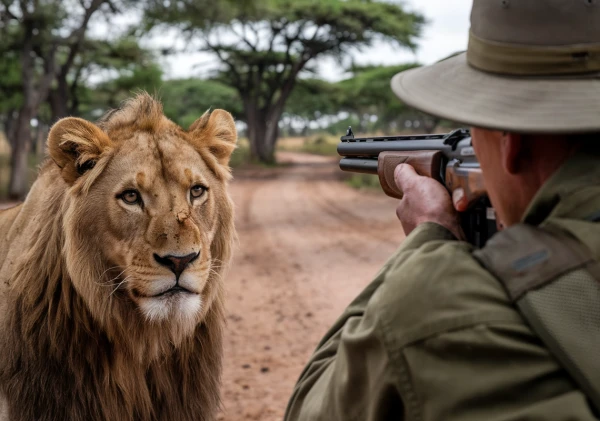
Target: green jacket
(434,336)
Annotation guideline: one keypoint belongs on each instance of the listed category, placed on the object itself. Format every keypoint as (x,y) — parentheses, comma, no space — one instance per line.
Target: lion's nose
(177,264)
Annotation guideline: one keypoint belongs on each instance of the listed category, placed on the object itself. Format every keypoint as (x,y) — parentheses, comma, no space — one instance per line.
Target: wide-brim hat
(531,67)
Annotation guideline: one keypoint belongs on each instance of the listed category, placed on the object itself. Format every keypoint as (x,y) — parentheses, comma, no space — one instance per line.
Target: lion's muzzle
(177,264)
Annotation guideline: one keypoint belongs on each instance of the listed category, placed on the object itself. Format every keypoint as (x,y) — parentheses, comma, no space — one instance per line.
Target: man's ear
(216,132)
(75,145)
(513,152)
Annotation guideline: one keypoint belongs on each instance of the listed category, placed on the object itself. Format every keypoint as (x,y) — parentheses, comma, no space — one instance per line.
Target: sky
(445,33)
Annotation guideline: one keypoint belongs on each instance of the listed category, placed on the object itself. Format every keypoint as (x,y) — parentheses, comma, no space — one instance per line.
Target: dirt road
(308,245)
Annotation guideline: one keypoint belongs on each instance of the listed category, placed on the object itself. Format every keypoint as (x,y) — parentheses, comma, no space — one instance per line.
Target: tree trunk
(57,99)
(263,122)
(259,146)
(19,171)
(40,141)
(9,126)
(262,134)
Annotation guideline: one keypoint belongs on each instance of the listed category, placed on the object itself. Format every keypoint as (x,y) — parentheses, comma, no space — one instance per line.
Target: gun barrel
(374,148)
(360,165)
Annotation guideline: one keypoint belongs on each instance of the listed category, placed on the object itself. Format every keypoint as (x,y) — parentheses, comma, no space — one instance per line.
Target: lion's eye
(131,197)
(197,191)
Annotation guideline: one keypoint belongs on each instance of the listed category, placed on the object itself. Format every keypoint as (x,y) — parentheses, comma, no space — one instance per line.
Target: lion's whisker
(104,273)
(119,284)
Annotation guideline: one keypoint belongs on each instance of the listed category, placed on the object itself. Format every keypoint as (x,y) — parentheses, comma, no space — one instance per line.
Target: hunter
(446,332)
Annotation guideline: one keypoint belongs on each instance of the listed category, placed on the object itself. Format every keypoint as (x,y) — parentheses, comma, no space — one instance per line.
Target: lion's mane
(58,361)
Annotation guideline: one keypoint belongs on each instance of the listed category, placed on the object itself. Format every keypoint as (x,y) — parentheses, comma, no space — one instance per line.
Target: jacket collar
(572,192)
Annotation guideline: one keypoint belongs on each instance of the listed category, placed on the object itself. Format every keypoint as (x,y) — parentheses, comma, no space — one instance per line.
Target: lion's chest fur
(46,389)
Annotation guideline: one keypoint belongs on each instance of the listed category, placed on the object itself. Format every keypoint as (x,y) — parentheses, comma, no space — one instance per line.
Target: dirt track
(308,245)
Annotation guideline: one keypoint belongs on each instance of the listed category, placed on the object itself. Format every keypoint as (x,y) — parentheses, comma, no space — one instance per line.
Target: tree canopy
(263,47)
(185,99)
(368,93)
(53,65)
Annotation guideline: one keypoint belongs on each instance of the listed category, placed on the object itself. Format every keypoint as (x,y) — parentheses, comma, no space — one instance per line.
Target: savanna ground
(308,244)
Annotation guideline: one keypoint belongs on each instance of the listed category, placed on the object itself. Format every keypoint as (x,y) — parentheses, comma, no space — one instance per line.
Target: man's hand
(426,200)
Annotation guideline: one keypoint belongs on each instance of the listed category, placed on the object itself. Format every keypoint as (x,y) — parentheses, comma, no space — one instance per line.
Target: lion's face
(153,219)
(160,203)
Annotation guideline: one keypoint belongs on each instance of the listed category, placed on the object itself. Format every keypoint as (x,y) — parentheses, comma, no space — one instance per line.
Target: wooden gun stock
(428,164)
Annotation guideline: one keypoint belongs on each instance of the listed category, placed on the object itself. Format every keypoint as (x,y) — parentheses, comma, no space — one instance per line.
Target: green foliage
(263,46)
(11,96)
(128,68)
(96,100)
(369,90)
(368,93)
(187,99)
(320,144)
(364,181)
(312,99)
(240,156)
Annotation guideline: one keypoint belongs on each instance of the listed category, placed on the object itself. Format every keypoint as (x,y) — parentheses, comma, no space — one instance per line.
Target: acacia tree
(186,99)
(119,66)
(264,46)
(122,57)
(367,93)
(310,101)
(47,36)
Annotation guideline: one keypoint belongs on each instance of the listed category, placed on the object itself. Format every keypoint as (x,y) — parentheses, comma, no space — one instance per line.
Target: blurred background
(295,74)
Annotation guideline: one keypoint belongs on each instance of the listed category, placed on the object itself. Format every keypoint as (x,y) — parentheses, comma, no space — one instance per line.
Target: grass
(364,181)
(321,144)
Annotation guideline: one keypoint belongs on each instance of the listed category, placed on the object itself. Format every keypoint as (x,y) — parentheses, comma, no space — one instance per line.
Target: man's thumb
(404,176)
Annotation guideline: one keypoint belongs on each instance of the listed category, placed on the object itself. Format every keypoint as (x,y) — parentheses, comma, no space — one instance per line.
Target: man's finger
(459,199)
(404,176)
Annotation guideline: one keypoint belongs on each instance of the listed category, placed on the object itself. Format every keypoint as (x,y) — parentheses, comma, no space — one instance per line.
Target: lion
(111,271)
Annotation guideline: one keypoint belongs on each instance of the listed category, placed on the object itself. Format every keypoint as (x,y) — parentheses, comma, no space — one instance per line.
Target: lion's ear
(215,131)
(75,145)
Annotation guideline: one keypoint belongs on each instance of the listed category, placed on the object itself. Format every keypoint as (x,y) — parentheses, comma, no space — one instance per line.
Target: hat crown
(537,22)
(532,66)
(535,37)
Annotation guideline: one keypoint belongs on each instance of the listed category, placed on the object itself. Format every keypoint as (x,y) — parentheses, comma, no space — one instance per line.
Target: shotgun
(448,158)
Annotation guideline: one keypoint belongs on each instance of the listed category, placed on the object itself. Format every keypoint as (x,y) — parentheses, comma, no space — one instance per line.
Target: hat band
(521,60)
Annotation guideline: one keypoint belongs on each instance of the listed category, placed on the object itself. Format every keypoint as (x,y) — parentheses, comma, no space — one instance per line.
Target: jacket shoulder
(439,287)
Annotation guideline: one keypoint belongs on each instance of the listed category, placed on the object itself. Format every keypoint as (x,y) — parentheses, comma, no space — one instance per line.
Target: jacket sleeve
(348,377)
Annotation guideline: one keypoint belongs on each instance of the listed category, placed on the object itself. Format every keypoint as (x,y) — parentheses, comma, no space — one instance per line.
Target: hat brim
(453,90)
